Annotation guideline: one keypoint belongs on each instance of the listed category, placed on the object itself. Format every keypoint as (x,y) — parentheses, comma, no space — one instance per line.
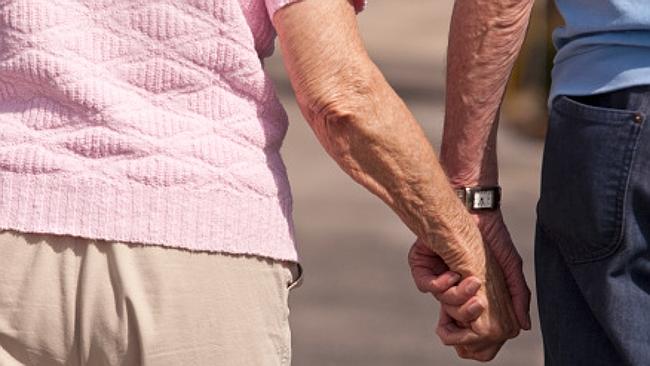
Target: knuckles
(485,356)
(443,337)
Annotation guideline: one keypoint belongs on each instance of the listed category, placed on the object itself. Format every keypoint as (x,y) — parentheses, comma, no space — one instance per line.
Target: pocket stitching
(565,105)
(581,255)
(596,255)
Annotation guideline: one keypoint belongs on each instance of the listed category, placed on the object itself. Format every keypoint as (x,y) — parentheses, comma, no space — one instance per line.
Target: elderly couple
(146,212)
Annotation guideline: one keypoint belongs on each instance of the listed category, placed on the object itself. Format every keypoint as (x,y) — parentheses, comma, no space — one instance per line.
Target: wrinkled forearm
(484,41)
(377,141)
(369,131)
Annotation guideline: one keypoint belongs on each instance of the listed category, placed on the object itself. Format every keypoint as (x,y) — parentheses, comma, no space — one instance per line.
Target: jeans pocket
(585,173)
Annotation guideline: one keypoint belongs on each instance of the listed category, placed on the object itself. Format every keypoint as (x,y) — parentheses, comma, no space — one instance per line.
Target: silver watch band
(480,198)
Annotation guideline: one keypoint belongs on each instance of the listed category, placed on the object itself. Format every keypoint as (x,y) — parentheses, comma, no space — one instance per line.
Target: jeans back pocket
(585,173)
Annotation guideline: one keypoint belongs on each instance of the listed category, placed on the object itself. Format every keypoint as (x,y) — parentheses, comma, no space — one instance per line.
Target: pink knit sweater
(146,121)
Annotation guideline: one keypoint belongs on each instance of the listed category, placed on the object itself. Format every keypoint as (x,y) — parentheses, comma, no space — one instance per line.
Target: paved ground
(358,306)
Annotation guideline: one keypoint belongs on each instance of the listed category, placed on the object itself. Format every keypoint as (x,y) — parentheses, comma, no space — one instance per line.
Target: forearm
(378,142)
(484,41)
(368,130)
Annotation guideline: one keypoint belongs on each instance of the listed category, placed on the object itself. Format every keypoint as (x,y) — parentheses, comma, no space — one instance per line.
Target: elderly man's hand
(496,236)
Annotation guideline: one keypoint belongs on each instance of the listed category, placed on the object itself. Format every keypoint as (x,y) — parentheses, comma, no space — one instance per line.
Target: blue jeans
(592,252)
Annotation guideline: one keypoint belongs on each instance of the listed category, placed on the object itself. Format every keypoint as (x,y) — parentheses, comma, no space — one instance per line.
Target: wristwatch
(480,198)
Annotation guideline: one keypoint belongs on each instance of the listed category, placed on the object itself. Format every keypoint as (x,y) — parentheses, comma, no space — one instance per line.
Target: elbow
(345,97)
(341,113)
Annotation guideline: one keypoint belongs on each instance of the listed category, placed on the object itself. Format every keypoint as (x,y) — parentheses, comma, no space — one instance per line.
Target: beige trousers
(72,301)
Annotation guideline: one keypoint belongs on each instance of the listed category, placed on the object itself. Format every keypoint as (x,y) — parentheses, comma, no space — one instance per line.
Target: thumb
(520,294)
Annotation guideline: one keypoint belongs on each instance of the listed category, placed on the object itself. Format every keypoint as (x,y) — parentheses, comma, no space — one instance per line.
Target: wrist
(480,198)
(459,243)
(469,170)
(484,218)
(471,177)
(473,181)
(489,222)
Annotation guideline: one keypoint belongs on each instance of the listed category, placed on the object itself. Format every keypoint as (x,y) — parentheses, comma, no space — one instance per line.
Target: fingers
(451,334)
(429,271)
(468,343)
(521,305)
(467,312)
(520,295)
(498,238)
(422,256)
(458,295)
(431,274)
(427,282)
(482,354)
(512,267)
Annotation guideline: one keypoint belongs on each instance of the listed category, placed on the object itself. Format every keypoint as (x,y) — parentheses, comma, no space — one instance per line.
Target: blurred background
(358,305)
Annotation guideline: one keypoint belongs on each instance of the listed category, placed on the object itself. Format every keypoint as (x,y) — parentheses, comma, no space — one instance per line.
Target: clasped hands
(479,313)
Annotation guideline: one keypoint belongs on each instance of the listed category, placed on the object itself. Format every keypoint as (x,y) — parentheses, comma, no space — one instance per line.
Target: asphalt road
(358,305)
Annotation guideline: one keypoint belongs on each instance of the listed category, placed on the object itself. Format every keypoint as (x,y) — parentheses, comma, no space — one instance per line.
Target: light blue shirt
(604,46)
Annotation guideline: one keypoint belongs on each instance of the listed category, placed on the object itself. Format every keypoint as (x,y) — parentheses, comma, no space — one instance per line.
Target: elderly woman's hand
(431,275)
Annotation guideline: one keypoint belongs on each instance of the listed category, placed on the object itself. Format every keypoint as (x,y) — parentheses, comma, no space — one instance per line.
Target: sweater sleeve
(274,5)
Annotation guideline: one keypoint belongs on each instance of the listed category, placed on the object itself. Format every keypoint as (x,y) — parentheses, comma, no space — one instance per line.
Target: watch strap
(480,198)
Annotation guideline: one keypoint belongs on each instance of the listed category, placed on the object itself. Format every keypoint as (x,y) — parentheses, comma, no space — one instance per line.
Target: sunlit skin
(368,130)
(484,41)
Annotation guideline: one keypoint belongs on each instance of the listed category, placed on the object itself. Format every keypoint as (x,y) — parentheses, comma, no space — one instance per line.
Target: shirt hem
(603,70)
(210,220)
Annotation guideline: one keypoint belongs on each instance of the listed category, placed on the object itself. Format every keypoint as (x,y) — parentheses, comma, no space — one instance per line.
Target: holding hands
(479,313)
(468,263)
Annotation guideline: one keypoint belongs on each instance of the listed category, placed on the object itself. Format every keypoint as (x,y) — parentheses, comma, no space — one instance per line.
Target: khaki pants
(72,301)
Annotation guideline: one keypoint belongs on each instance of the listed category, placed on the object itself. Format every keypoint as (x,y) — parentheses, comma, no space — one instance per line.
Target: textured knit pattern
(147,121)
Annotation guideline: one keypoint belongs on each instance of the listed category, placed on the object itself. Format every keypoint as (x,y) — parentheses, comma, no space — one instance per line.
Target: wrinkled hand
(496,236)
(478,337)
(482,338)
(432,275)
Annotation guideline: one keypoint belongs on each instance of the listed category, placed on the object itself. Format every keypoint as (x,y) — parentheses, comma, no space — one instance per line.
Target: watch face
(483,199)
